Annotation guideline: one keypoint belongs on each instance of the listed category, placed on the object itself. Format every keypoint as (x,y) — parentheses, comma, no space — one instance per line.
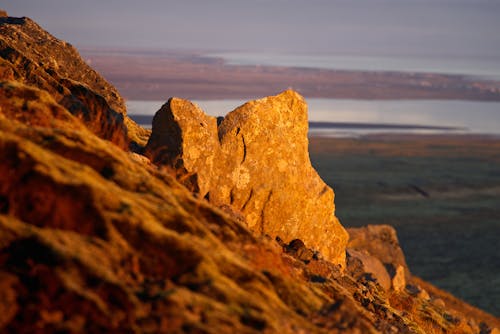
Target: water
(471,117)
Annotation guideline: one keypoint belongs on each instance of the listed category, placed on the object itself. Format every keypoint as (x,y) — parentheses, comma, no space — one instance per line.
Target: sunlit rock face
(257,161)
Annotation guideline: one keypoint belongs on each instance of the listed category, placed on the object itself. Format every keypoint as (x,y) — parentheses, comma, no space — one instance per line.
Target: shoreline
(408,137)
(146,120)
(383,132)
(145,76)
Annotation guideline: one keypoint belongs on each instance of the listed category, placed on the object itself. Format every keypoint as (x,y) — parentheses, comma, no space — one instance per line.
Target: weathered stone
(95,239)
(31,55)
(268,174)
(259,165)
(298,249)
(418,291)
(360,263)
(382,242)
(185,138)
(439,302)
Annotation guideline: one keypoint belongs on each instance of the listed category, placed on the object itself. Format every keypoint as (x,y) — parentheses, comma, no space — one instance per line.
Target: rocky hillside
(206,226)
(34,57)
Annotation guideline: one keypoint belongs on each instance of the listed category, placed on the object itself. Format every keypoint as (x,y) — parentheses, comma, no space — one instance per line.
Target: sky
(442,28)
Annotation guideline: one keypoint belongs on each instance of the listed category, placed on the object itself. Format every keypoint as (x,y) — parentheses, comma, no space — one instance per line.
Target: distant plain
(441,193)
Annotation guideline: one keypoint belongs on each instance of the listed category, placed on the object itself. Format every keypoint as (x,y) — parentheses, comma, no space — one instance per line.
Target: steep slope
(95,238)
(31,55)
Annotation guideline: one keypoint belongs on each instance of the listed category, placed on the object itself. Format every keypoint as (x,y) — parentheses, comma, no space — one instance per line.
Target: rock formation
(256,161)
(31,55)
(381,242)
(94,238)
(185,140)
(375,250)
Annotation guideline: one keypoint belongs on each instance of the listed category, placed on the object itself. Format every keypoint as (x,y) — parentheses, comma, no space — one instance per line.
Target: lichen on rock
(255,160)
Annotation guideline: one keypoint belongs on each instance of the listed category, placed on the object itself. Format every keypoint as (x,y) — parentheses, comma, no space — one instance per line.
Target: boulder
(380,241)
(360,263)
(257,161)
(418,291)
(298,250)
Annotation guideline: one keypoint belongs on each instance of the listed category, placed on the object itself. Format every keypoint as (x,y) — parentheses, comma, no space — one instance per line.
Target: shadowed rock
(185,139)
(360,263)
(31,55)
(298,250)
(259,165)
(381,242)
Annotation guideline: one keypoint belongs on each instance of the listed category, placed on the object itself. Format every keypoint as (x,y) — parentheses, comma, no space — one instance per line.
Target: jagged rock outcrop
(255,160)
(31,55)
(96,239)
(185,140)
(380,241)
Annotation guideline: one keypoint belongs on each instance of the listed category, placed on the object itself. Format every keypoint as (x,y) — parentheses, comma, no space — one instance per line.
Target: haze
(468,28)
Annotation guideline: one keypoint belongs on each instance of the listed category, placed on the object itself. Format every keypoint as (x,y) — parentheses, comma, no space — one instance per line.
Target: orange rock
(380,241)
(257,161)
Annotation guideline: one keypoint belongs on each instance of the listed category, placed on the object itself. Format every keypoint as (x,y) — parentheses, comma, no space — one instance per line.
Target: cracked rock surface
(257,161)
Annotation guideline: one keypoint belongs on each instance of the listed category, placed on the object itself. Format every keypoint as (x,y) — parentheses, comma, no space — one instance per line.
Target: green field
(441,194)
